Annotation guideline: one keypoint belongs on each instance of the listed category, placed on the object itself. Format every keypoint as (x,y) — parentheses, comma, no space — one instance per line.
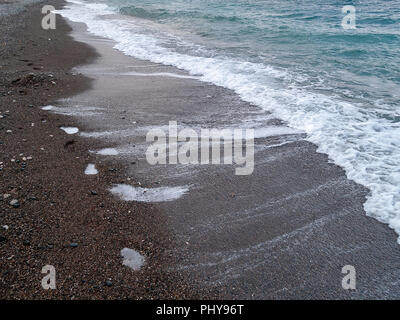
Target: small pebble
(3,239)
(93,193)
(14,203)
(73,245)
(108,283)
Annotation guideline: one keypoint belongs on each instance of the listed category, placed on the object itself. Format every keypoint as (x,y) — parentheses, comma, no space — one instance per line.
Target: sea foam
(162,194)
(108,152)
(70,130)
(91,169)
(132,259)
(365,145)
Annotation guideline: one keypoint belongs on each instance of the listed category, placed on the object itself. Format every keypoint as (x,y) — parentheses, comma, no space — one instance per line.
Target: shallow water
(293,58)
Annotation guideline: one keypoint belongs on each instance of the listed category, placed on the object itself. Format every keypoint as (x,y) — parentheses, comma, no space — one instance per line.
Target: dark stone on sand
(73,245)
(108,283)
(3,239)
(33,198)
(15,203)
(69,143)
(93,193)
(26,243)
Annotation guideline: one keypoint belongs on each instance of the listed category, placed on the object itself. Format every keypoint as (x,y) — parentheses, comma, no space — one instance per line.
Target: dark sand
(283,232)
(57,206)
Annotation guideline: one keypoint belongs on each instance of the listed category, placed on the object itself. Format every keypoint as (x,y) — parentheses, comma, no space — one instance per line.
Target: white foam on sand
(70,130)
(132,259)
(91,169)
(111,133)
(108,152)
(76,110)
(160,74)
(130,193)
(47,108)
(98,134)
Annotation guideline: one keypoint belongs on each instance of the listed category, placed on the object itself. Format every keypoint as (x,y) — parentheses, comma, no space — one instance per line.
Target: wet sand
(284,232)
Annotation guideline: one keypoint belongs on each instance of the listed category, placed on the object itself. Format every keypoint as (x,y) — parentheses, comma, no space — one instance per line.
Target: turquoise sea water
(290,57)
(304,37)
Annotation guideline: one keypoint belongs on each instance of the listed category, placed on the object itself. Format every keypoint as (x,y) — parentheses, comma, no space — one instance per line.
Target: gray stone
(15,203)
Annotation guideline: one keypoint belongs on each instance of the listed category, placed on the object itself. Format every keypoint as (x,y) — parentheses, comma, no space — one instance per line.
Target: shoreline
(60,206)
(283,234)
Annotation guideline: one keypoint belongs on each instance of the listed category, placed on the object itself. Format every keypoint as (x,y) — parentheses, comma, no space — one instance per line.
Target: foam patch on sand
(47,108)
(130,193)
(132,259)
(91,169)
(70,130)
(108,152)
(76,110)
